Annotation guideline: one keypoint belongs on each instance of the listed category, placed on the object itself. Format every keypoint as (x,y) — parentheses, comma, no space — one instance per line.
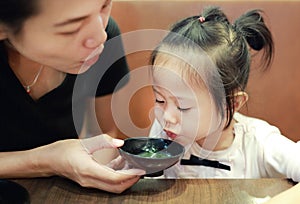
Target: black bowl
(151,154)
(13,193)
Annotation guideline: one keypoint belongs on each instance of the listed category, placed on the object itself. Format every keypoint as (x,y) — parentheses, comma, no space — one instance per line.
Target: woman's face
(64,34)
(185,111)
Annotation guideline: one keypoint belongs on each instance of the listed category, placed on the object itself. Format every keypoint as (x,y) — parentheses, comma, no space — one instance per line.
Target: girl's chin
(184,141)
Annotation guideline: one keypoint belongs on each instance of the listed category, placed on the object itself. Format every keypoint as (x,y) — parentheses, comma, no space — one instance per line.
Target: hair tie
(201,19)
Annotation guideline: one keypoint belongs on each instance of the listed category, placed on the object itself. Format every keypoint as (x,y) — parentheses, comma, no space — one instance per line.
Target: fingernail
(118,142)
(138,172)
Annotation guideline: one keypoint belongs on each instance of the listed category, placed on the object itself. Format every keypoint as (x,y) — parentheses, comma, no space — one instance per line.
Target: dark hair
(13,13)
(227,45)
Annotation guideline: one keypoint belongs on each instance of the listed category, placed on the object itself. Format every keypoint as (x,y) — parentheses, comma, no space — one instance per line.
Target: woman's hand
(73,159)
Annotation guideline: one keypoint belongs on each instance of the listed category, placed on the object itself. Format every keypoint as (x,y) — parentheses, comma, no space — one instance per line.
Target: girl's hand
(73,159)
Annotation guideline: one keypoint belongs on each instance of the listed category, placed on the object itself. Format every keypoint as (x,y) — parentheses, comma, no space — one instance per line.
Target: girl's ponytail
(213,13)
(251,26)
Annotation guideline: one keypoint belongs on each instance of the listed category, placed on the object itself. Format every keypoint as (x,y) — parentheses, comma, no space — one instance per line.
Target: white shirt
(258,151)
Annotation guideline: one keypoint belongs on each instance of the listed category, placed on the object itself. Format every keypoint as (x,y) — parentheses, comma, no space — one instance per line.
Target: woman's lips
(93,57)
(91,61)
(170,134)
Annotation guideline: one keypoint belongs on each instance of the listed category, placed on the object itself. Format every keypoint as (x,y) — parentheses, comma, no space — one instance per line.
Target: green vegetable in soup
(156,155)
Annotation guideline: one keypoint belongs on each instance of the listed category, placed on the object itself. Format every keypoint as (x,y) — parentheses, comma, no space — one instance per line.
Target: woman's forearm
(24,164)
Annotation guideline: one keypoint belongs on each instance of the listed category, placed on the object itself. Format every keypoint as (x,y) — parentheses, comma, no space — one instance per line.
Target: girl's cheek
(190,125)
(158,112)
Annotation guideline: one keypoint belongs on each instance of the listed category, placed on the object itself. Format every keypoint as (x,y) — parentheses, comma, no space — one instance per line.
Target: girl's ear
(3,32)
(240,98)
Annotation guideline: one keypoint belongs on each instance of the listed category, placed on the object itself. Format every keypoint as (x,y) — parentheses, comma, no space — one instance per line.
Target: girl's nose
(170,116)
(96,34)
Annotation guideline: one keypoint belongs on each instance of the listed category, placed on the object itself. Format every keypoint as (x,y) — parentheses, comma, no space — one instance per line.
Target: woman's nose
(96,34)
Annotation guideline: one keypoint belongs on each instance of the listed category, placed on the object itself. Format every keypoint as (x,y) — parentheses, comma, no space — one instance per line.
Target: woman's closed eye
(70,32)
(107,4)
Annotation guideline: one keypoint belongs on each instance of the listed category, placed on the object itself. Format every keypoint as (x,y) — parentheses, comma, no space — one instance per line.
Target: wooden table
(59,190)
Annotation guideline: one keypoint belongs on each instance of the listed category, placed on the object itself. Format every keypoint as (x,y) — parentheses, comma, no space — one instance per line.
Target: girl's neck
(219,141)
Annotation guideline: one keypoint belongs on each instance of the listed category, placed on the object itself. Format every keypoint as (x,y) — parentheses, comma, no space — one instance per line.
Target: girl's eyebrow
(70,21)
(154,89)
(177,97)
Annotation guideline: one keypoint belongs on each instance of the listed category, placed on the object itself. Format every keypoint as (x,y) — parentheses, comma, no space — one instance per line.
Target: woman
(44,45)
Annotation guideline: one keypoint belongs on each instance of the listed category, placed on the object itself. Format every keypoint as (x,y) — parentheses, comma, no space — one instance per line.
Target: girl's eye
(159,101)
(183,109)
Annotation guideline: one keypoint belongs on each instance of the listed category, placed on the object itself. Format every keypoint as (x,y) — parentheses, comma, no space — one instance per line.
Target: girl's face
(64,34)
(184,110)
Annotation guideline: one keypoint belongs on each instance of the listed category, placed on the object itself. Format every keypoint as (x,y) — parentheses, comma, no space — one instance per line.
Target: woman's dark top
(26,123)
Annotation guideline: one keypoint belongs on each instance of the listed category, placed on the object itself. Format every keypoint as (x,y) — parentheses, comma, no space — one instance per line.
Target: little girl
(200,72)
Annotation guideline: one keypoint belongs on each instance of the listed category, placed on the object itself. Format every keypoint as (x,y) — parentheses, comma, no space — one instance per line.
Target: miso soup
(156,155)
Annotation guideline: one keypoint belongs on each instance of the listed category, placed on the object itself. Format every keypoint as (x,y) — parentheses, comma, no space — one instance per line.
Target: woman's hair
(13,13)
(227,46)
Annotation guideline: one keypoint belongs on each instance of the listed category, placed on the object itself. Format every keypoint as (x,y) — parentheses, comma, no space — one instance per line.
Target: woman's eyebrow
(70,21)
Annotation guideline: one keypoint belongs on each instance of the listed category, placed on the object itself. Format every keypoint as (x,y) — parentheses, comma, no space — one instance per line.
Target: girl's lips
(170,134)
